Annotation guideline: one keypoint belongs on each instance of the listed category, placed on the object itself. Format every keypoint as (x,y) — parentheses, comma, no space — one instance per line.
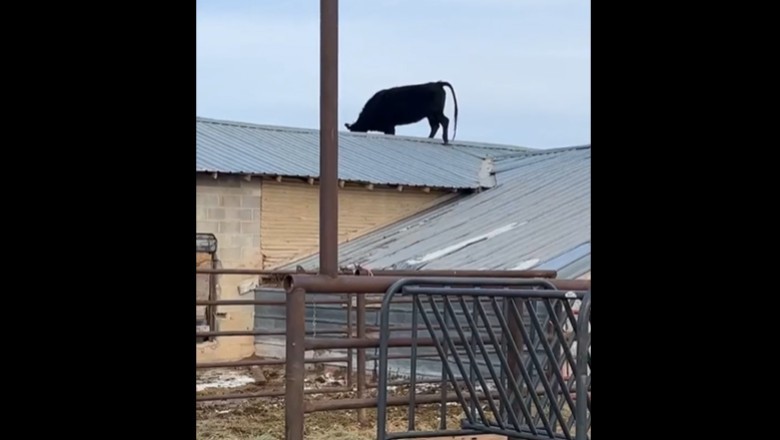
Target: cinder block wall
(229,207)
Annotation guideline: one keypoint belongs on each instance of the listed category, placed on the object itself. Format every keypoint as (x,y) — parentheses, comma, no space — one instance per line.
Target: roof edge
(362,182)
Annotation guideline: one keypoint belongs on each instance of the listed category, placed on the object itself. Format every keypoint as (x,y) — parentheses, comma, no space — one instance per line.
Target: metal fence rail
(519,337)
(350,336)
(302,289)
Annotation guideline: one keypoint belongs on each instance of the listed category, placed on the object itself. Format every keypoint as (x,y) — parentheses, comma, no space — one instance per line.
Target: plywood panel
(290,215)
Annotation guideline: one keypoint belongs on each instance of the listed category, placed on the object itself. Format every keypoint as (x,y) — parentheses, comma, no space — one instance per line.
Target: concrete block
(206,200)
(256,214)
(250,202)
(238,240)
(251,188)
(229,227)
(242,214)
(230,256)
(250,228)
(207,226)
(232,214)
(230,201)
(215,213)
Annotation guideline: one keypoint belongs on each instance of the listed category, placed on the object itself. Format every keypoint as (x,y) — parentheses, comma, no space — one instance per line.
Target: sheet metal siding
(546,195)
(333,317)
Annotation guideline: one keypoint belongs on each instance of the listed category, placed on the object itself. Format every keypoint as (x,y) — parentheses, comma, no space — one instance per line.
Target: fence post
(361,355)
(517,336)
(583,343)
(295,369)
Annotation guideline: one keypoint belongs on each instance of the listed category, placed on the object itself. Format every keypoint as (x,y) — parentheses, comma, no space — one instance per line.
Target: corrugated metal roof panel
(538,215)
(233,147)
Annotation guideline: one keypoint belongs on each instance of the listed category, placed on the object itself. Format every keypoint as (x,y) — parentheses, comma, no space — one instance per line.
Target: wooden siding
(290,215)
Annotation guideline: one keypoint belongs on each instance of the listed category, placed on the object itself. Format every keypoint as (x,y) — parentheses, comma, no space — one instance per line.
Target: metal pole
(361,355)
(583,343)
(294,368)
(350,335)
(329,160)
(317,284)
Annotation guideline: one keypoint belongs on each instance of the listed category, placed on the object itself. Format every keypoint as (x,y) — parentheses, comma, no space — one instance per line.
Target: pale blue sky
(520,68)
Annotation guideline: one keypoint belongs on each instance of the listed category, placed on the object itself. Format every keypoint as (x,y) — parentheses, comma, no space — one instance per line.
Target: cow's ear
(347,125)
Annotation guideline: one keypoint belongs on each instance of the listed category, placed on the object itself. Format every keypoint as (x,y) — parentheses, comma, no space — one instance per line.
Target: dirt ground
(263,418)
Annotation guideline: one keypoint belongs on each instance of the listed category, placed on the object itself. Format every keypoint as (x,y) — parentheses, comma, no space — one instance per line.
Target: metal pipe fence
(302,289)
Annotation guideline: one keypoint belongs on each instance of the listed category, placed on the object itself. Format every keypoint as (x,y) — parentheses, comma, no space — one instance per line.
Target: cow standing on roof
(407,105)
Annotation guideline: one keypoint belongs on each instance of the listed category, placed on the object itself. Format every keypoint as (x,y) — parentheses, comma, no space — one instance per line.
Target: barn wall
(290,215)
(229,207)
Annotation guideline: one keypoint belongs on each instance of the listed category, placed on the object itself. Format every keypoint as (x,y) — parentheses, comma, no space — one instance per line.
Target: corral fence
(354,293)
(516,357)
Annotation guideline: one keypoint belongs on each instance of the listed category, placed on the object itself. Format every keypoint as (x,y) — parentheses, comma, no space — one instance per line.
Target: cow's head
(356,127)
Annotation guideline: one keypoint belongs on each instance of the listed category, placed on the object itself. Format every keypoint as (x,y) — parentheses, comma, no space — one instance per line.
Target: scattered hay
(263,419)
(250,420)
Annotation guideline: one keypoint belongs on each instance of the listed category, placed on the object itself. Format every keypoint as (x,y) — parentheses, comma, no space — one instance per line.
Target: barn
(536,216)
(257,201)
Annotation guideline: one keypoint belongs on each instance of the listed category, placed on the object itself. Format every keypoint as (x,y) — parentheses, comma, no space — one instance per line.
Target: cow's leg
(434,123)
(445,124)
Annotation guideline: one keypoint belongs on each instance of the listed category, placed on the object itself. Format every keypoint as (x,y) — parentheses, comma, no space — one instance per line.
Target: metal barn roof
(536,217)
(237,147)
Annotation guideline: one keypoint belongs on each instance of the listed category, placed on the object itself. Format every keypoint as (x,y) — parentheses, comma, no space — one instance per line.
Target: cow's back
(409,104)
(401,105)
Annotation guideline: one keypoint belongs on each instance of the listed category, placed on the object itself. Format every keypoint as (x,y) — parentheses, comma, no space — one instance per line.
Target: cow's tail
(455,100)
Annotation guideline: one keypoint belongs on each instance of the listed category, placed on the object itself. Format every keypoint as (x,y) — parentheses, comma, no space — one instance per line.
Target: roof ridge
(543,152)
(418,139)
(253,125)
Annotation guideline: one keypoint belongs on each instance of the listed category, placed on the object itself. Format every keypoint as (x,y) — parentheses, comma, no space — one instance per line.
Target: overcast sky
(520,68)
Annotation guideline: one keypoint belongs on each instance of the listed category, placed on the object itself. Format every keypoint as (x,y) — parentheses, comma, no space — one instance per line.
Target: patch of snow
(491,387)
(527,264)
(426,388)
(460,245)
(224,379)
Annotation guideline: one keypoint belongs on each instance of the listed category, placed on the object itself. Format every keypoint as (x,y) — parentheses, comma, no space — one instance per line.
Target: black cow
(407,105)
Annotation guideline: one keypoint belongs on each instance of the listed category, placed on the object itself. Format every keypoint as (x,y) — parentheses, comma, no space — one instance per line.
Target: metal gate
(206,284)
(515,356)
